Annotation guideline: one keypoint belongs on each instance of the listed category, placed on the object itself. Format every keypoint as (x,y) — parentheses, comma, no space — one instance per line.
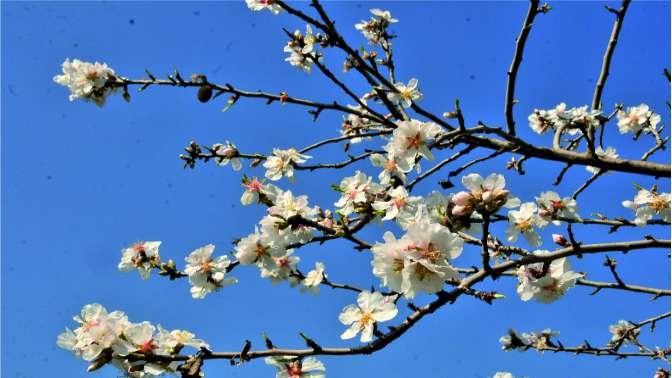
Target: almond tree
(391,129)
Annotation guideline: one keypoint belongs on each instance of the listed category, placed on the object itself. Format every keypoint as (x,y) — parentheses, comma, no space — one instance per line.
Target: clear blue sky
(80,183)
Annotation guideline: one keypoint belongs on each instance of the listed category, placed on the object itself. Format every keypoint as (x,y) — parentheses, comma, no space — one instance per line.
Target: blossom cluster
(206,274)
(88,81)
(572,120)
(522,342)
(418,261)
(268,246)
(301,49)
(104,337)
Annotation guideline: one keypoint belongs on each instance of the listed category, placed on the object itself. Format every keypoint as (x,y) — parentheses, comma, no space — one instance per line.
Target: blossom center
(414,141)
(253,186)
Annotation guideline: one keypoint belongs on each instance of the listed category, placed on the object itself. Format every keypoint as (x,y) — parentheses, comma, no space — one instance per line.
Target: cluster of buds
(301,48)
(485,196)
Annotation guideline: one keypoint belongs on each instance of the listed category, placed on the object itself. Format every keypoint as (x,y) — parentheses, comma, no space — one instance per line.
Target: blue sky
(80,183)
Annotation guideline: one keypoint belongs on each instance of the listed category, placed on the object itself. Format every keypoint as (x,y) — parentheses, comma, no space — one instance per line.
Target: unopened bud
(450,115)
(560,240)
(283,97)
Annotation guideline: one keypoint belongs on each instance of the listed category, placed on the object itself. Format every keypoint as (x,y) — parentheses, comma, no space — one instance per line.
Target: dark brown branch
(515,65)
(606,62)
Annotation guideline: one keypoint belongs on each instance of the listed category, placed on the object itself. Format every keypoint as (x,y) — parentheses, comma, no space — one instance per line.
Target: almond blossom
(227,153)
(503,374)
(390,168)
(398,204)
(410,140)
(647,204)
(282,163)
(375,28)
(301,50)
(313,279)
(282,268)
(635,118)
(87,81)
(205,273)
(143,256)
(259,248)
(485,195)
(139,338)
(439,209)
(428,246)
(293,367)
(523,221)
(357,190)
(552,206)
(625,331)
(389,261)
(258,191)
(405,94)
(546,284)
(97,332)
(371,307)
(257,5)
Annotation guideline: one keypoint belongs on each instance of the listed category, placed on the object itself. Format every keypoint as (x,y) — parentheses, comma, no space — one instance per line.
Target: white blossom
(399,204)
(97,331)
(257,5)
(551,205)
(255,188)
(610,152)
(409,140)
(389,261)
(292,367)
(301,50)
(227,153)
(371,307)
(374,28)
(390,168)
(549,286)
(503,374)
(429,246)
(171,342)
(87,81)
(623,330)
(635,118)
(260,248)
(485,195)
(355,191)
(143,256)
(523,221)
(205,273)
(313,279)
(647,204)
(282,163)
(405,94)
(572,120)
(282,268)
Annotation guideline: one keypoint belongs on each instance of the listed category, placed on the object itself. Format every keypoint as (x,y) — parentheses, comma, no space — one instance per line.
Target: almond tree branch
(515,65)
(611,47)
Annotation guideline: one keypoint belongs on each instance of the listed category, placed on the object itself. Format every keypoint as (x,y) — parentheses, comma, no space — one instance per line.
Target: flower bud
(560,240)
(450,115)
